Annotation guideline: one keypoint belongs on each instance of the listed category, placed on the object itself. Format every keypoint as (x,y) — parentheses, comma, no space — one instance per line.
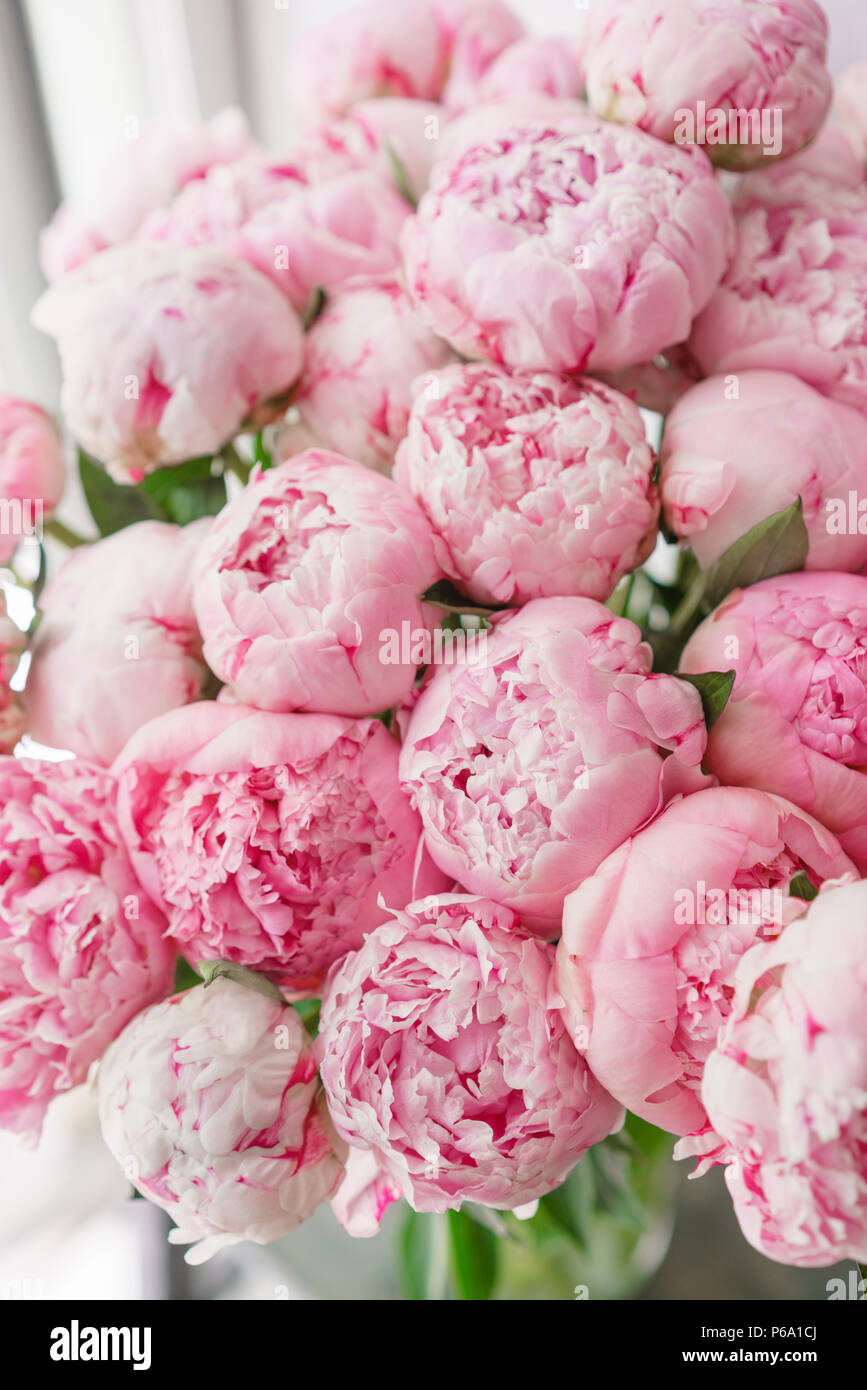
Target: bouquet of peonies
(463,790)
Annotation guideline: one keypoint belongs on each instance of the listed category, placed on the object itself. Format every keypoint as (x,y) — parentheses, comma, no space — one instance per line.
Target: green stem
(233,463)
(63,533)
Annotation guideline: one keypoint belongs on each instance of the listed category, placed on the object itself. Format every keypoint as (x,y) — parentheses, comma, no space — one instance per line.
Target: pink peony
(651,940)
(786,1088)
(657,63)
(270,838)
(793,297)
(330,235)
(147,169)
(549,65)
(117,642)
(81,946)
(362,357)
(737,449)
(566,244)
(32,471)
(167,352)
(534,762)
(301,578)
(441,1050)
(369,137)
(211,1104)
(381,49)
(538,484)
(796,723)
(12,644)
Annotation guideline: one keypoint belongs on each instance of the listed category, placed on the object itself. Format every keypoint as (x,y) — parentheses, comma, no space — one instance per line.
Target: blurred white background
(72,73)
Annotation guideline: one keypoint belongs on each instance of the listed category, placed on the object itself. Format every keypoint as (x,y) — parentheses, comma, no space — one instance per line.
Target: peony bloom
(32,471)
(786,1089)
(369,137)
(81,946)
(651,940)
(117,643)
(379,49)
(302,577)
(328,235)
(662,64)
(534,762)
(167,352)
(147,169)
(566,245)
(362,355)
(211,1104)
(793,297)
(796,723)
(269,838)
(738,449)
(12,644)
(549,65)
(441,1050)
(539,485)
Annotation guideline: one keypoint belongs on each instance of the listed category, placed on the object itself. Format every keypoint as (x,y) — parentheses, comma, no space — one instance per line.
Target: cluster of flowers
(533,888)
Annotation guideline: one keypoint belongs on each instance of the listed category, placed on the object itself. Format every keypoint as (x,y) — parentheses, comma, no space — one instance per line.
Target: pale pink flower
(793,297)
(796,723)
(539,485)
(651,940)
(370,136)
(737,449)
(269,839)
(167,352)
(117,641)
(566,245)
(441,1050)
(548,64)
(651,62)
(534,761)
(427,49)
(81,945)
(331,235)
(211,1104)
(786,1089)
(32,470)
(362,356)
(301,576)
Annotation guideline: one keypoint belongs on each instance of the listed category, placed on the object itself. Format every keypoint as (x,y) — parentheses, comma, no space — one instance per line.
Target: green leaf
(185,976)
(309,1012)
(186,491)
(113,505)
(777,545)
(211,970)
(261,455)
(475,1256)
(315,304)
(800,886)
(714,687)
(562,1206)
(400,176)
(415,1245)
